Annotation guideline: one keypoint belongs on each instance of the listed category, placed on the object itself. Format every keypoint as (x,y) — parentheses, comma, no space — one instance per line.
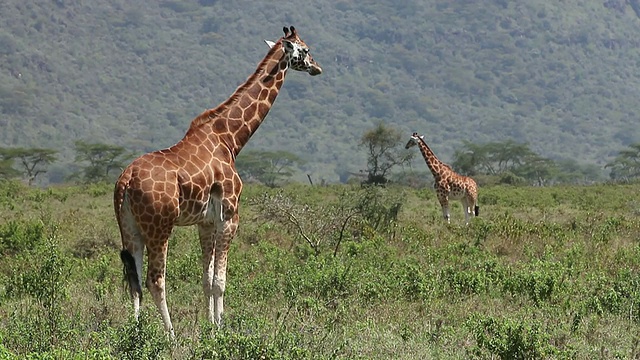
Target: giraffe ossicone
(447,183)
(195,182)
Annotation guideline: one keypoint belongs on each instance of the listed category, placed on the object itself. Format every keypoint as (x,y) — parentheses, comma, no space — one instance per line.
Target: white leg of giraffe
(445,213)
(220,266)
(466,209)
(207,242)
(138,257)
(443,199)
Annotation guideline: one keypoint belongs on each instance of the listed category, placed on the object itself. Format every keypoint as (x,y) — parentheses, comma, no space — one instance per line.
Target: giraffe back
(458,186)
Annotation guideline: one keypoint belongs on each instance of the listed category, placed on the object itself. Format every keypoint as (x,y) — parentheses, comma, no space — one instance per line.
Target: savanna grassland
(338,272)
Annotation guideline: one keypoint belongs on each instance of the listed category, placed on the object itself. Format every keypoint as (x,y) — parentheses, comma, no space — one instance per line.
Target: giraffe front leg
(220,265)
(444,204)
(445,214)
(207,243)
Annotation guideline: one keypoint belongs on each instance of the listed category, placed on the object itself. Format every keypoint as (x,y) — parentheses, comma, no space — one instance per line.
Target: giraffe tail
(119,192)
(130,274)
(476,210)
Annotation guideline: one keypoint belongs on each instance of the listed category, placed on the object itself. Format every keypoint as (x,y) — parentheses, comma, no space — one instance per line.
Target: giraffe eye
(305,51)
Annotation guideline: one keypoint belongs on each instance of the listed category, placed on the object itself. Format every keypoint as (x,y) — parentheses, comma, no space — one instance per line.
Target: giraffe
(195,182)
(448,183)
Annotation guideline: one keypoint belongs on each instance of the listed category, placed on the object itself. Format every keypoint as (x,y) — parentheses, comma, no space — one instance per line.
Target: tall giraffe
(448,183)
(195,182)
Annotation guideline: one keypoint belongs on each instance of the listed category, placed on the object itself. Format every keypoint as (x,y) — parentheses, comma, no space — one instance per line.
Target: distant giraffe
(195,182)
(448,183)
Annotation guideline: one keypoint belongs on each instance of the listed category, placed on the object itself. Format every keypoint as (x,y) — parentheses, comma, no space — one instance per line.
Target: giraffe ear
(269,43)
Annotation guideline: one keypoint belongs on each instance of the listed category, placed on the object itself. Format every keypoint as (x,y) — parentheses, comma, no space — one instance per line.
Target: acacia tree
(500,158)
(101,159)
(7,171)
(537,170)
(31,161)
(384,147)
(271,168)
(627,164)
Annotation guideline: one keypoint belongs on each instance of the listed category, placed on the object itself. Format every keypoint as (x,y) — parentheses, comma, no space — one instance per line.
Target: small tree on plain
(384,151)
(101,160)
(627,164)
(30,161)
(272,168)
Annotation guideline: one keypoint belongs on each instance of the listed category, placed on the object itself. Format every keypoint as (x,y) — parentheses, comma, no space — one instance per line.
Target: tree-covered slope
(563,76)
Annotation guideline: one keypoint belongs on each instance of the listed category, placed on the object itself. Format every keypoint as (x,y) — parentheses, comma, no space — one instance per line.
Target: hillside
(562,76)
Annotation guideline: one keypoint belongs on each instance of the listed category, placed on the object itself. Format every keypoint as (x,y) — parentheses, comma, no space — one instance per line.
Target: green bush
(141,339)
(17,236)
(538,281)
(241,339)
(45,283)
(508,338)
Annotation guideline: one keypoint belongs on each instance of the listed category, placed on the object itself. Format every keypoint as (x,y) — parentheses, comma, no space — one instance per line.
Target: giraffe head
(414,140)
(297,52)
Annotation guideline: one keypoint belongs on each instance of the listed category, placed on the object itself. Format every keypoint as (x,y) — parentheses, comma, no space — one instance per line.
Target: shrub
(46,283)
(141,339)
(538,281)
(241,339)
(17,236)
(509,339)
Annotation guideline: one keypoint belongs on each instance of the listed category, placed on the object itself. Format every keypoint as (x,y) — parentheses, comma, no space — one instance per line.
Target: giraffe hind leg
(156,276)
(207,232)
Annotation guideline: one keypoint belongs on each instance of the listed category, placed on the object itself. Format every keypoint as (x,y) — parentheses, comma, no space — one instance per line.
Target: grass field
(361,273)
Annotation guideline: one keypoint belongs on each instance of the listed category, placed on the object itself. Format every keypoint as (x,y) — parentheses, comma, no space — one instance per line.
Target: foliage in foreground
(544,273)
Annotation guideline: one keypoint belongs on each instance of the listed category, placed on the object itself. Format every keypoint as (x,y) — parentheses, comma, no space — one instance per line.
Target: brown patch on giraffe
(225,156)
(251,110)
(235,113)
(243,135)
(219,126)
(272,95)
(263,109)
(234,126)
(263,94)
(245,101)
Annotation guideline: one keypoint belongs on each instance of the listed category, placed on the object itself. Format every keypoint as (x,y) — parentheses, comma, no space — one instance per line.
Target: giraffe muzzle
(315,70)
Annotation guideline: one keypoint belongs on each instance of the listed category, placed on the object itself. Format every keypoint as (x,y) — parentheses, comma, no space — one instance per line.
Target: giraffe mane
(211,114)
(421,139)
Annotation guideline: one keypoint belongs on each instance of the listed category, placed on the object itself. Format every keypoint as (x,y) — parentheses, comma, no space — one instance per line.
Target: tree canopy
(515,163)
(99,161)
(272,168)
(28,163)
(382,144)
(627,164)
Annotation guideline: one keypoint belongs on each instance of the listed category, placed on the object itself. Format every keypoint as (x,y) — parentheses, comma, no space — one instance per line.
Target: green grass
(542,273)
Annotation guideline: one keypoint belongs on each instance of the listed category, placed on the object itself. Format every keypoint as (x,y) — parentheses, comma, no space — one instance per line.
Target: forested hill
(563,76)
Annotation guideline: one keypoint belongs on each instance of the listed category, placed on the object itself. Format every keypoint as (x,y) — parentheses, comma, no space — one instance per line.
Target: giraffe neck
(436,166)
(237,118)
